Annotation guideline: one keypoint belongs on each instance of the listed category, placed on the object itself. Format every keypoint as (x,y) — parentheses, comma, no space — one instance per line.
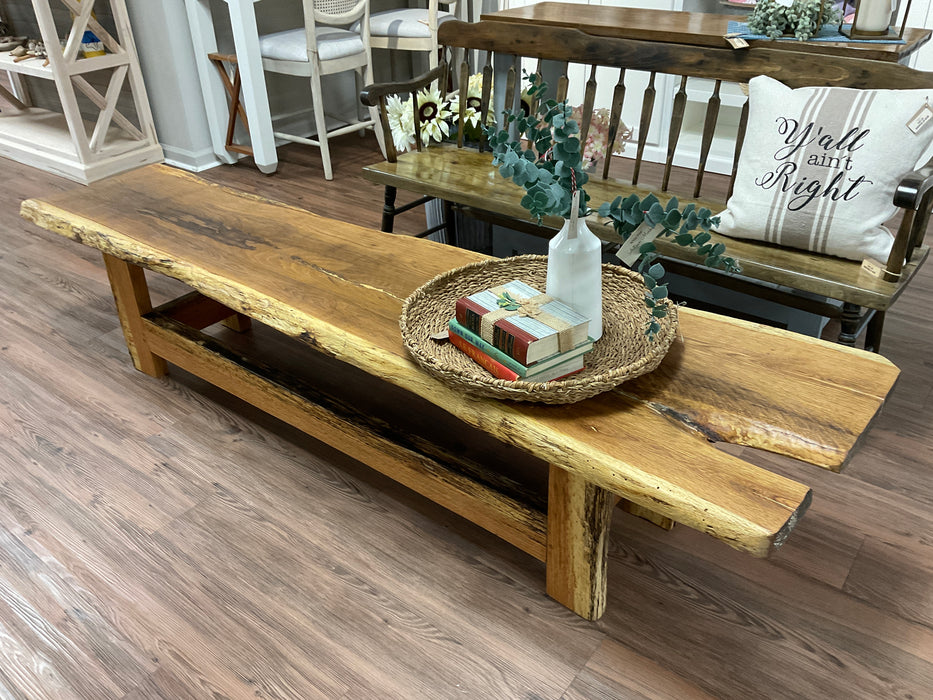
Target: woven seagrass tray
(622,353)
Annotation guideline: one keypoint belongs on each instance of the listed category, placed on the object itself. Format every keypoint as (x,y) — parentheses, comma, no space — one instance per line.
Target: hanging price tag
(645,233)
(873,267)
(920,118)
(736,42)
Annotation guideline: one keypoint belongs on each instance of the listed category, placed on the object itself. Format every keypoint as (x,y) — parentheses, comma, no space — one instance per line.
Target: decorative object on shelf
(873,19)
(819,174)
(800,18)
(624,352)
(548,164)
(90,45)
(8,43)
(33,49)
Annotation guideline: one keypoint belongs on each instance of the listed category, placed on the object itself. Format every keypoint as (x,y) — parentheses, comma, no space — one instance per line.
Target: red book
(495,368)
(507,337)
(518,336)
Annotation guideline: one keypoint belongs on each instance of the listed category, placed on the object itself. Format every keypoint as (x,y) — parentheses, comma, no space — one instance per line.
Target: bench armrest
(372,94)
(913,195)
(913,186)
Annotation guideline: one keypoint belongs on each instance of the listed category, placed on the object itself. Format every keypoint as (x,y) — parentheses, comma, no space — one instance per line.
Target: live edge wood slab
(338,288)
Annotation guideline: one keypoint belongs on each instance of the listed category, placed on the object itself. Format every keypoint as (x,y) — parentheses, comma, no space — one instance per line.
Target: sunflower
(474,102)
(433,114)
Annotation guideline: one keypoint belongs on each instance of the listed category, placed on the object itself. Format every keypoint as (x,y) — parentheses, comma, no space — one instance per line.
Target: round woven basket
(623,352)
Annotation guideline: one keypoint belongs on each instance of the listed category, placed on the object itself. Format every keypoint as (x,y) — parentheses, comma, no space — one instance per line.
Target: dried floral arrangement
(596,147)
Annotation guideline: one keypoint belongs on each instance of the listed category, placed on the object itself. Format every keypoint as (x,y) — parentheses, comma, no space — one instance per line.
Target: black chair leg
(451,223)
(873,334)
(388,209)
(850,321)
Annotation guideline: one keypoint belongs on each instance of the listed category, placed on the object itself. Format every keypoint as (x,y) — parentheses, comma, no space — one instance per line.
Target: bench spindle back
(564,48)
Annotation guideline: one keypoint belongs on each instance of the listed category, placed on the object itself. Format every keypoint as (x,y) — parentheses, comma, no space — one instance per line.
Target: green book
(510,362)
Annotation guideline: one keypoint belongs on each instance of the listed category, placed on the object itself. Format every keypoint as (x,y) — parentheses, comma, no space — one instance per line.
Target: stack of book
(548,344)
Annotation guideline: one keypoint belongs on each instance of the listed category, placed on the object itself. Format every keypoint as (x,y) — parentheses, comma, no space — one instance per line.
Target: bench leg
(241,323)
(388,209)
(578,515)
(450,222)
(875,329)
(850,321)
(131,294)
(661,521)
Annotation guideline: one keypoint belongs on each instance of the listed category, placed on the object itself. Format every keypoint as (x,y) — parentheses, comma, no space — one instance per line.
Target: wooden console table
(695,28)
(338,289)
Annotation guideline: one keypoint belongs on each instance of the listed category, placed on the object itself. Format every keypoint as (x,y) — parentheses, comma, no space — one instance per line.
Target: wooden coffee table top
(340,288)
(696,28)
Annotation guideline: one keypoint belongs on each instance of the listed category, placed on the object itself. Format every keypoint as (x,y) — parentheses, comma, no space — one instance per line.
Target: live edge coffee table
(338,289)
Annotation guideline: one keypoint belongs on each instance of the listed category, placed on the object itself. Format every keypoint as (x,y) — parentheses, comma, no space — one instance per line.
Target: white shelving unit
(65,143)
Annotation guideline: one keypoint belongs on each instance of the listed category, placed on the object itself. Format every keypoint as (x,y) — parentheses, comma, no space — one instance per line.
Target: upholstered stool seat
(408,23)
(410,29)
(292,45)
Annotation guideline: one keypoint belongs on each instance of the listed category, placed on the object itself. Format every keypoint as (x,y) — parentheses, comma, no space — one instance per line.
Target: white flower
(471,115)
(475,85)
(433,114)
(401,123)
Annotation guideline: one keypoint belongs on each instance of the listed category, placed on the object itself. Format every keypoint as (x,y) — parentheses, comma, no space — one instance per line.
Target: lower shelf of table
(41,138)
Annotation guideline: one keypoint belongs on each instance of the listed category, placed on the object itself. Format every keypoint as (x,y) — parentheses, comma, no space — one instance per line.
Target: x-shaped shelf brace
(107,103)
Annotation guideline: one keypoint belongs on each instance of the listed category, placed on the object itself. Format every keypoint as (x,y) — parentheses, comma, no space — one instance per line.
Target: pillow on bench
(820,165)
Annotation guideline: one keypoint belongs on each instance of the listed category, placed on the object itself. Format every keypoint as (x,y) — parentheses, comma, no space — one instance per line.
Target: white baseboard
(193,161)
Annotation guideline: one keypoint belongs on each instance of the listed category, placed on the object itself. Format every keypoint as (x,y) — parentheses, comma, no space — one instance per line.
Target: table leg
(131,294)
(578,518)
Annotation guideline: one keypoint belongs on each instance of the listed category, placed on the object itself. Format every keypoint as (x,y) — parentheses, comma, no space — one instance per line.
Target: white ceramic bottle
(574,269)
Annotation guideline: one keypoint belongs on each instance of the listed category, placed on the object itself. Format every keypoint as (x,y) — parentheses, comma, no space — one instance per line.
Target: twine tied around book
(530,307)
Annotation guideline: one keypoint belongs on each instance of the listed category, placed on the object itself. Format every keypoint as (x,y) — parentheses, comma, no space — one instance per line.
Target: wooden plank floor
(158,539)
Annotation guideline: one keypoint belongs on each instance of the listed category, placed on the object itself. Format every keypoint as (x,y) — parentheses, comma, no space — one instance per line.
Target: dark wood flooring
(158,539)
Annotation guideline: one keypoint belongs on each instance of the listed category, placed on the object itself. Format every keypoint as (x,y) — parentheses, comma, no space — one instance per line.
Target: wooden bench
(327,285)
(462,176)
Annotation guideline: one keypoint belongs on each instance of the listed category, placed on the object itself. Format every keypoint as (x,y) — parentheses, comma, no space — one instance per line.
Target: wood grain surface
(309,278)
(793,68)
(185,568)
(694,28)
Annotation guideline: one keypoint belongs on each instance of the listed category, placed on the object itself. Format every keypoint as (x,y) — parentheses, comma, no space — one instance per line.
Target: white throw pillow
(820,165)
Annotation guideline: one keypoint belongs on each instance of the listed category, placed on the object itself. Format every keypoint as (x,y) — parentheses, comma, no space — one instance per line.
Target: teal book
(521,370)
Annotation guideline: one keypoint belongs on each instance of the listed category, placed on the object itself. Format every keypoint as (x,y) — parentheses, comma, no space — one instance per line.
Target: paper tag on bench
(736,42)
(873,267)
(645,233)
(920,118)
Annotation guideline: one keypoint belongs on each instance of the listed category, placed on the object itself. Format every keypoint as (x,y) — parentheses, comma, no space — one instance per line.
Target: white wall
(167,61)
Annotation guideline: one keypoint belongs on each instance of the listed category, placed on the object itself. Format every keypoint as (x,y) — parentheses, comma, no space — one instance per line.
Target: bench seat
(467,177)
